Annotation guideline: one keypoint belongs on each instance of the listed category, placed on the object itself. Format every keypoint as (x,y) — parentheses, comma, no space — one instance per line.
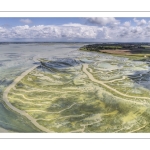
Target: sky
(94,29)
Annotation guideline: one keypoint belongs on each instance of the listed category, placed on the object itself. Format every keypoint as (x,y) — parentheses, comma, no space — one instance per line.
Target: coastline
(5,99)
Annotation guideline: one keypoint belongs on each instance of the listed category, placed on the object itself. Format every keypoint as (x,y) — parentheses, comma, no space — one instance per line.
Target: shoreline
(21,112)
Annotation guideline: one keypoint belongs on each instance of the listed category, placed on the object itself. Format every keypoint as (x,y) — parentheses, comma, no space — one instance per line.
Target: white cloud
(136,29)
(127,24)
(52,32)
(26,21)
(103,20)
(72,24)
(79,32)
(140,22)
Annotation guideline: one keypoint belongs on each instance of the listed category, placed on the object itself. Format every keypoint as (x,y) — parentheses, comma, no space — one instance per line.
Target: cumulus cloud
(79,32)
(103,21)
(26,21)
(72,24)
(127,24)
(140,22)
(51,32)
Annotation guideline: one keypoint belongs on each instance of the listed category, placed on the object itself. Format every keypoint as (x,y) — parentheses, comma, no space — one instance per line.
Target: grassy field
(134,51)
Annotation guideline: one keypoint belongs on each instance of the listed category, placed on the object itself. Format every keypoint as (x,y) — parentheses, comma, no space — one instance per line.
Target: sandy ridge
(85,66)
(5,99)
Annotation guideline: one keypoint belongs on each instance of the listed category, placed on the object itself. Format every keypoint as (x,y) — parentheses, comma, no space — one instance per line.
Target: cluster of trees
(123,46)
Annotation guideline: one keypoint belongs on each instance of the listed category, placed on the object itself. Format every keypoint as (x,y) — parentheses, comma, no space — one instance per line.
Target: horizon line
(63,42)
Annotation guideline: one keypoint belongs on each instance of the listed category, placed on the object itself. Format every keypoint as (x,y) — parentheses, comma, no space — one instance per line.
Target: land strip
(5,99)
(85,66)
